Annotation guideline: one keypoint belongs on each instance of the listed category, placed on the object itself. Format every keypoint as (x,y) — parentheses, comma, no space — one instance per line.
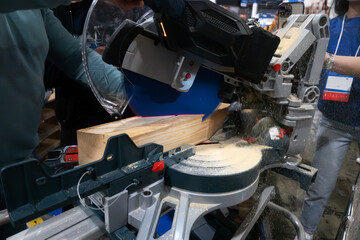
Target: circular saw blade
(153,98)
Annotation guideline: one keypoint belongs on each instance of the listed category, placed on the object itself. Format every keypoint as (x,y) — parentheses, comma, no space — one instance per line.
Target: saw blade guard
(102,20)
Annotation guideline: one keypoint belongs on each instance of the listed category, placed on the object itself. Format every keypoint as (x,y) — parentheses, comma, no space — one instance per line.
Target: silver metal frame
(76,223)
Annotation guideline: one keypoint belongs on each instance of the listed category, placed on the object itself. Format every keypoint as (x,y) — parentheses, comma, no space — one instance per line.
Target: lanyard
(341,33)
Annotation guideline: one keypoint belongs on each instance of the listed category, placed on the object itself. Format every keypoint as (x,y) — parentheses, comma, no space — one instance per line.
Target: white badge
(337,87)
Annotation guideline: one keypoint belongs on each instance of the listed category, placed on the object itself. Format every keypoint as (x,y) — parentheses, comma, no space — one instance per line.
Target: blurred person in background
(339,104)
(317,6)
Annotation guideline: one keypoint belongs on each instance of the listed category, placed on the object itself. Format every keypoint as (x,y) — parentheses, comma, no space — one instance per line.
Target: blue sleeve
(65,53)
(13,5)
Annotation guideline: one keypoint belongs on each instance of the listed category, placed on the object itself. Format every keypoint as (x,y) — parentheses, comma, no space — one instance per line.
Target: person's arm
(13,5)
(65,53)
(345,65)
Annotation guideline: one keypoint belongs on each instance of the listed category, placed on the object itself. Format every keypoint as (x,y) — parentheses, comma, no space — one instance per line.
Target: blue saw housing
(154,98)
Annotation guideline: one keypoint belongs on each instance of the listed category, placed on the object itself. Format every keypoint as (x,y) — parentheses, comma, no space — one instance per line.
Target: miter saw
(184,63)
(190,62)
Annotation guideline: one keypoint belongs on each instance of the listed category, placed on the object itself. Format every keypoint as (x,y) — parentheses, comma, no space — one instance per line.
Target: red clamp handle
(158,166)
(283,132)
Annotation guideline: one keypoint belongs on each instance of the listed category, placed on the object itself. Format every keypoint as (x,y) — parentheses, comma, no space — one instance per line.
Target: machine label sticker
(34,222)
(274,133)
(337,87)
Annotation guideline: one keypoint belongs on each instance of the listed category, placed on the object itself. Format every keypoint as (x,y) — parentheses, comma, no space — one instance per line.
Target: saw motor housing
(219,40)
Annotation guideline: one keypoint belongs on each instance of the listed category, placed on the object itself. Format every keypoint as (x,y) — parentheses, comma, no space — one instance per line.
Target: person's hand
(326,58)
(100,50)
(127,4)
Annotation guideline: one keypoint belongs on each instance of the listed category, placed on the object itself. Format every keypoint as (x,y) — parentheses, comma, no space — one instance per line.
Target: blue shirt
(27,37)
(344,112)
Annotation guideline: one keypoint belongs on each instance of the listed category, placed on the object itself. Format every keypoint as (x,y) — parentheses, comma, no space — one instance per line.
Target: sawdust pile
(222,159)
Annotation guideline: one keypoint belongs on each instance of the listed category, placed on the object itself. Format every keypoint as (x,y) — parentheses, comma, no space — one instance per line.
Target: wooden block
(169,131)
(215,121)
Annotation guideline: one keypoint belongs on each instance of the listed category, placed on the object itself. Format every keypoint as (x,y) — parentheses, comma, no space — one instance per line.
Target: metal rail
(4,217)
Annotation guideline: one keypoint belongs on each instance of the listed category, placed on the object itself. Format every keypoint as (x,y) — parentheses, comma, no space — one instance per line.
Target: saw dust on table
(224,158)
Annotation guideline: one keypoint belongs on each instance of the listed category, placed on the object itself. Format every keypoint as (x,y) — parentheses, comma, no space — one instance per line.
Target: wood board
(169,131)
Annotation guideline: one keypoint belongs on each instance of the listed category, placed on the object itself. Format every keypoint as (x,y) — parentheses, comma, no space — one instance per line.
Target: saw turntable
(185,58)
